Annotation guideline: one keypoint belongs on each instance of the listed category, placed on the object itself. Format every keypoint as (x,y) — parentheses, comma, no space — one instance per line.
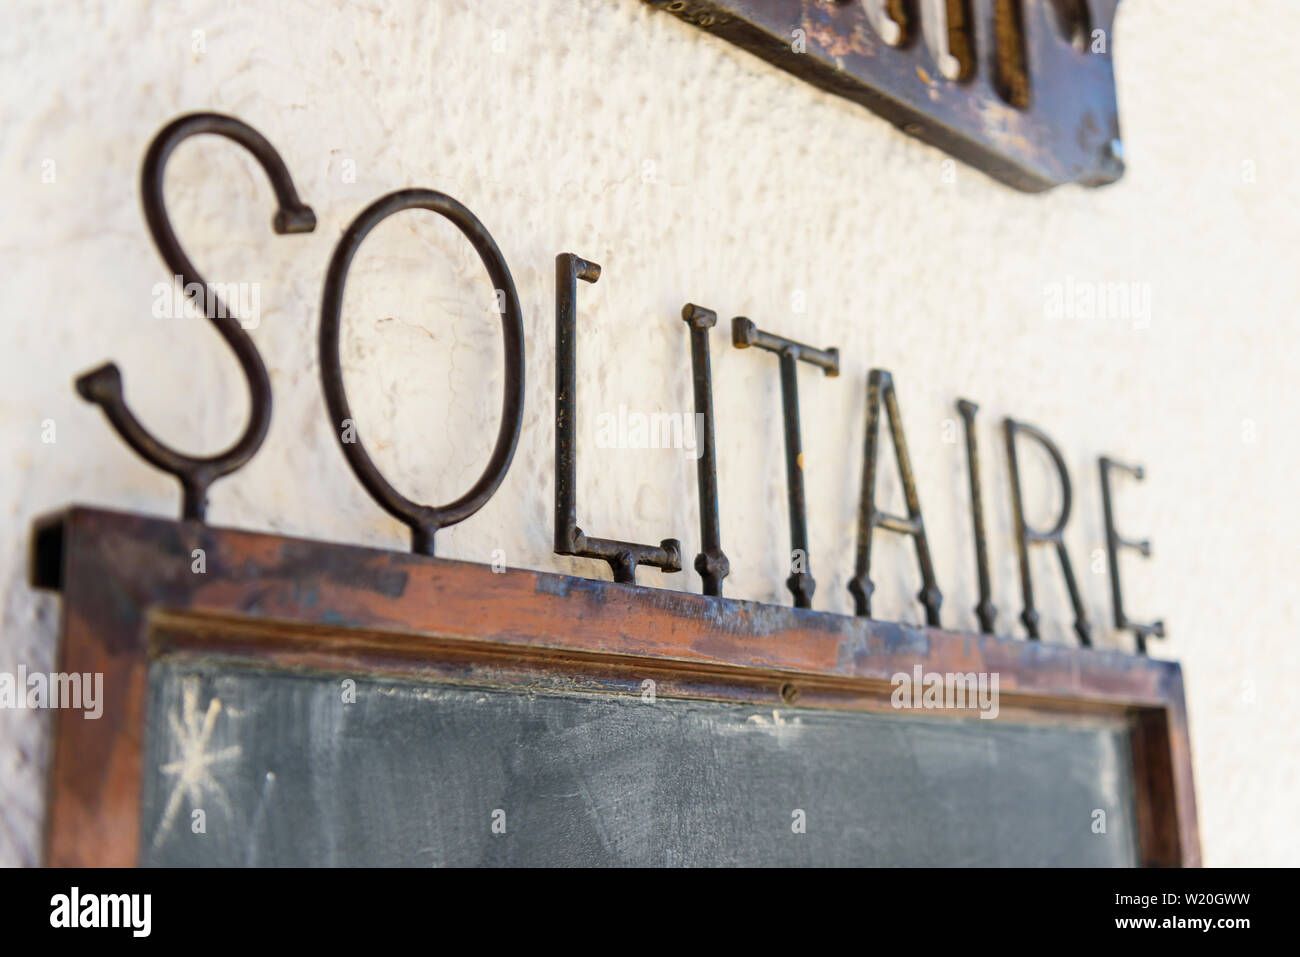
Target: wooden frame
(129,593)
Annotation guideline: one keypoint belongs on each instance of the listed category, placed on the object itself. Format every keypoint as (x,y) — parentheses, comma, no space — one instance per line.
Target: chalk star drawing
(192,768)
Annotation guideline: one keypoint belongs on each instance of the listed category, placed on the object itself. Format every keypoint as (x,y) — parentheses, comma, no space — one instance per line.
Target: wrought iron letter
(880,386)
(103,385)
(423,520)
(1026,536)
(711,562)
(743,335)
(1114,542)
(623,557)
(985,610)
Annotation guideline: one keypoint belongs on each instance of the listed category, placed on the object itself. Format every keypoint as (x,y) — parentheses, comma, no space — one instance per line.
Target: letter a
(880,385)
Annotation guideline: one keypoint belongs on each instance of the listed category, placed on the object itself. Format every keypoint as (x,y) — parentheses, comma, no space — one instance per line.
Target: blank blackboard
(284,771)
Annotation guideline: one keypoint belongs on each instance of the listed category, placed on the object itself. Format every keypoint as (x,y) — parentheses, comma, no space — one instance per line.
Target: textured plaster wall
(690,171)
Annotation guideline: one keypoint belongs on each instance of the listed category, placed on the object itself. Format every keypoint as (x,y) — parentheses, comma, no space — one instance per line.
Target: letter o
(424,520)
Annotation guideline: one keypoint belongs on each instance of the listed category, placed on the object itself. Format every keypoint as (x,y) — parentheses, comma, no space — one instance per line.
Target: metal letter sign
(1021,89)
(103,387)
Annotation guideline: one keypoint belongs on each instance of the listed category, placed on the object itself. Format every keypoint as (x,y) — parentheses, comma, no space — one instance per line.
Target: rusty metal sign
(103,387)
(1021,89)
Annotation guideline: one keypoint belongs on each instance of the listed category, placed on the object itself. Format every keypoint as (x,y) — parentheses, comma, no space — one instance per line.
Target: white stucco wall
(690,171)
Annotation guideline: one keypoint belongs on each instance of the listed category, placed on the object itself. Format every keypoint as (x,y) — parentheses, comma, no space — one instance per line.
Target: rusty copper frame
(129,594)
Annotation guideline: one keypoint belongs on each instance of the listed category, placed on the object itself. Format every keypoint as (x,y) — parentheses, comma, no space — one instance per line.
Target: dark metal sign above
(1021,89)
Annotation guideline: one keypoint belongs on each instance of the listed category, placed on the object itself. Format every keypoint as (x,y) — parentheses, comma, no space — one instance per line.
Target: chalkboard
(496,717)
(262,766)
